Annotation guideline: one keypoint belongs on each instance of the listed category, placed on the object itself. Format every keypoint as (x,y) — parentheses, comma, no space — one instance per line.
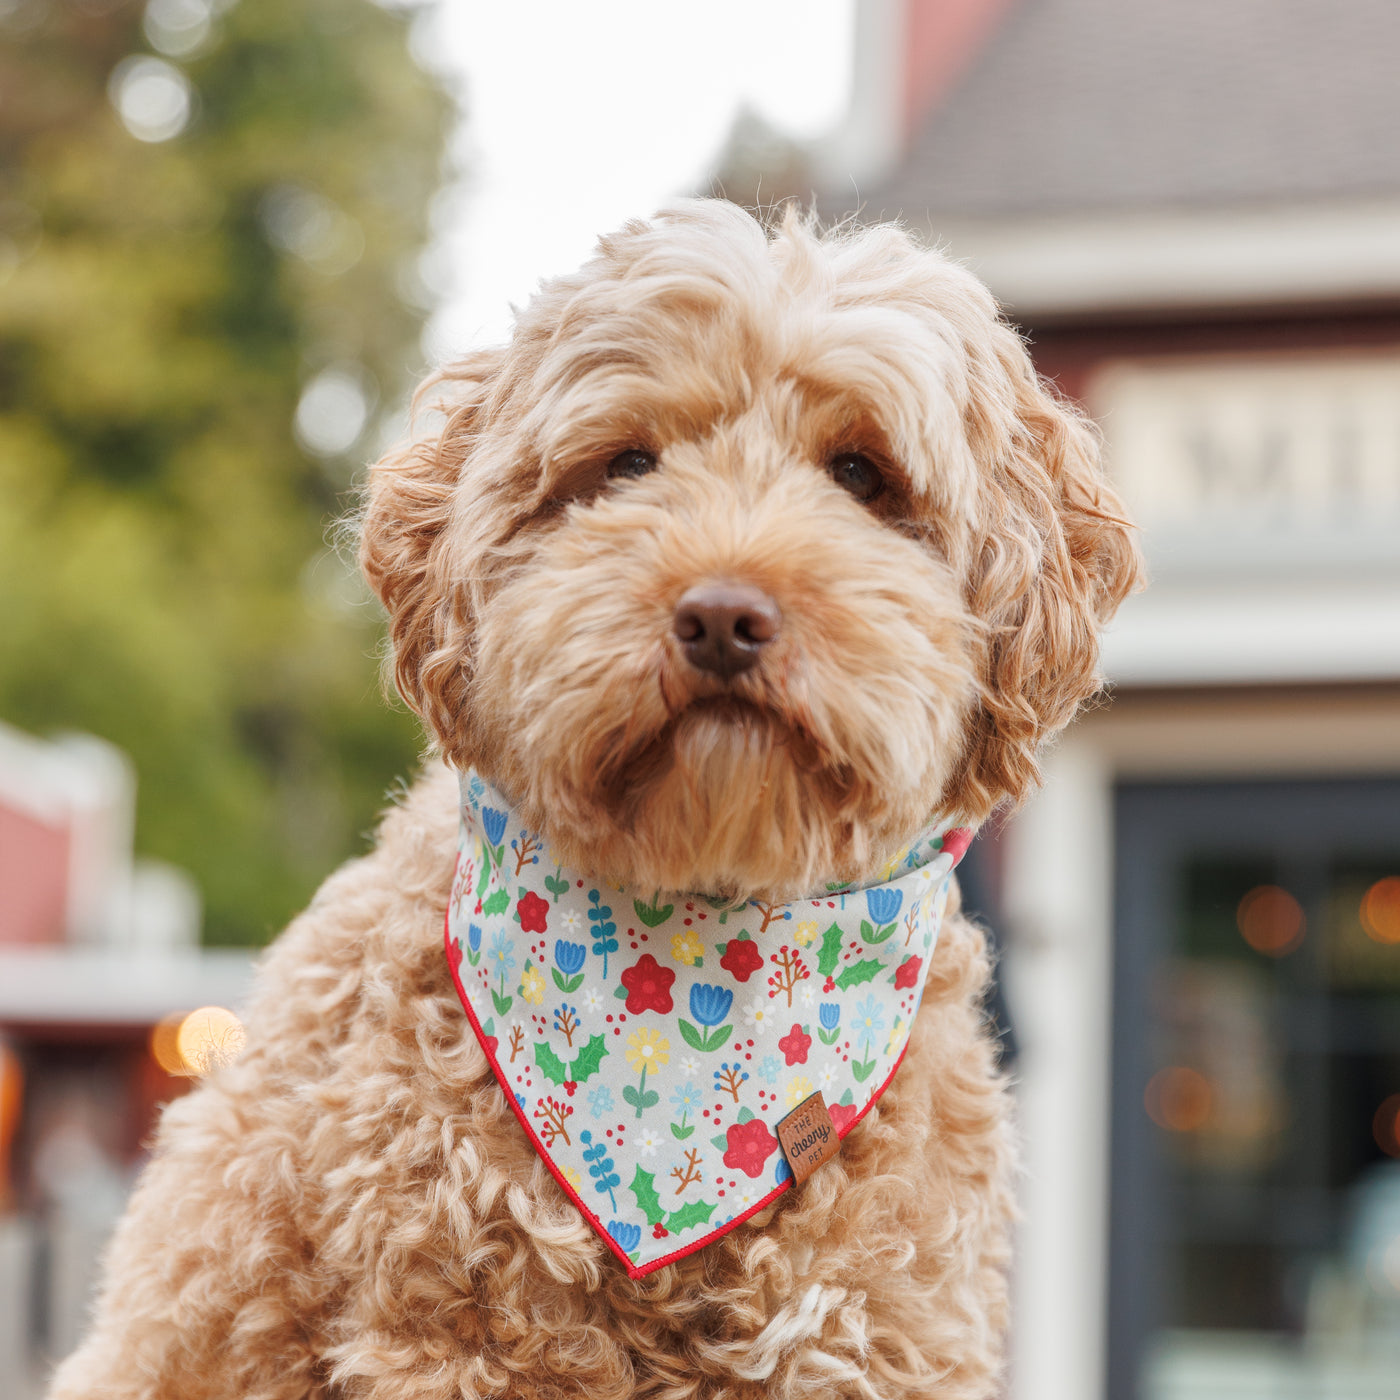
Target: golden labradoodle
(747,558)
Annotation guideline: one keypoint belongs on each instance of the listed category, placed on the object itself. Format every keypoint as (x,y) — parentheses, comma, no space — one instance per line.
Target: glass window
(1256,1191)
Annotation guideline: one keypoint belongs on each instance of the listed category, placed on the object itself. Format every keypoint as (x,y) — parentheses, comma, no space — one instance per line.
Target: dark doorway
(1255,1209)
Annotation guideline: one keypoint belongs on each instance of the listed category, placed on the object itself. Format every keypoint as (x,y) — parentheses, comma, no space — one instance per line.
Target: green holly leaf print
(651,915)
(588,1059)
(485,878)
(501,1003)
(691,1213)
(551,1066)
(722,1142)
(643,1187)
(496,903)
(831,950)
(566,984)
(863,971)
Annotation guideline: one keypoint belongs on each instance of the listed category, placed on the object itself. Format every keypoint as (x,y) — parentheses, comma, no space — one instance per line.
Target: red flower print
(908,972)
(648,986)
(533,913)
(842,1115)
(750,1146)
(742,958)
(454,954)
(795,1045)
(491,1042)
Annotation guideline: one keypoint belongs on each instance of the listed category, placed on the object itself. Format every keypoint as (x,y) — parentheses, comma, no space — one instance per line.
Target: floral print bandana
(650,1045)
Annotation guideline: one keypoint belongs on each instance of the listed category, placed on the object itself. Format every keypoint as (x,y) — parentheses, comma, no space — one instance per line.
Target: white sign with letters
(1258,463)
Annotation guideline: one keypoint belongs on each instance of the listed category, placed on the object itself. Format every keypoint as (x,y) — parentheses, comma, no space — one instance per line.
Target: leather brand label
(808,1137)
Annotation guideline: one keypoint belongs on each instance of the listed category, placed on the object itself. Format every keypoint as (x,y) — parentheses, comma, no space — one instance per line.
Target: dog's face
(748,555)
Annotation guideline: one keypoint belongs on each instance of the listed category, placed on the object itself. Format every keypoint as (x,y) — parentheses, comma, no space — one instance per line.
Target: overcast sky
(580,115)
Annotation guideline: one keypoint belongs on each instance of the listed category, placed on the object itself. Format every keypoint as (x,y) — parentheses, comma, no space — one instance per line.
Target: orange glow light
(1380,910)
(206,1039)
(1179,1099)
(1270,920)
(1385,1126)
(165,1048)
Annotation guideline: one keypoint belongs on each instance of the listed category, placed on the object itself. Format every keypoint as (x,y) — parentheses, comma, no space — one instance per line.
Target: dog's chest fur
(436,1230)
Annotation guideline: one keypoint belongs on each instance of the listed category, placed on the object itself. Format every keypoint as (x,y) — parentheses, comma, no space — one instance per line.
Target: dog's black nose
(722,627)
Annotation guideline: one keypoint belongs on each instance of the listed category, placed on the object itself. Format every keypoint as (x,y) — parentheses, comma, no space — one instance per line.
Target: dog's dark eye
(633,462)
(858,475)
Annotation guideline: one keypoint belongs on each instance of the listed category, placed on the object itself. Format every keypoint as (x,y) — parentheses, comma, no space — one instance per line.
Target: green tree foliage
(164,576)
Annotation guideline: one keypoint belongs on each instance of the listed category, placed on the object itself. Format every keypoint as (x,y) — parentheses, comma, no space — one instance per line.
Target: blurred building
(1193,210)
(99,966)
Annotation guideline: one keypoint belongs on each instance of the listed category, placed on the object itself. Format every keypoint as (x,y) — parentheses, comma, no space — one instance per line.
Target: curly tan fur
(350,1210)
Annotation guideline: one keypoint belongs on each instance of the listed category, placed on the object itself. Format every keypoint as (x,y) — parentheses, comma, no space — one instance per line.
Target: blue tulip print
(709,1005)
(600,917)
(493,824)
(473,944)
(628,1237)
(568,969)
(829,1014)
(883,906)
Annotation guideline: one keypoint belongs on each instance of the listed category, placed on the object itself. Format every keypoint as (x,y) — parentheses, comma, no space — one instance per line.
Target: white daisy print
(569,921)
(648,1143)
(807,995)
(592,1000)
(827,1077)
(757,1015)
(690,1065)
(746,1197)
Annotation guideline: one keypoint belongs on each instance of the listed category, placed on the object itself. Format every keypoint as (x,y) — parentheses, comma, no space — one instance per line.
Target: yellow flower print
(897,1035)
(686,947)
(571,1175)
(895,862)
(532,985)
(806,932)
(646,1050)
(797,1090)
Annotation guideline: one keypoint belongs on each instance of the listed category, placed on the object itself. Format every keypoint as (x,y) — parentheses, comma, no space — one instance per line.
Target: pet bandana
(650,1047)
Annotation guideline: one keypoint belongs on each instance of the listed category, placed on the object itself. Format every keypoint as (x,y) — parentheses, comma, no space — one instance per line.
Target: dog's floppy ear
(408,502)
(1052,557)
